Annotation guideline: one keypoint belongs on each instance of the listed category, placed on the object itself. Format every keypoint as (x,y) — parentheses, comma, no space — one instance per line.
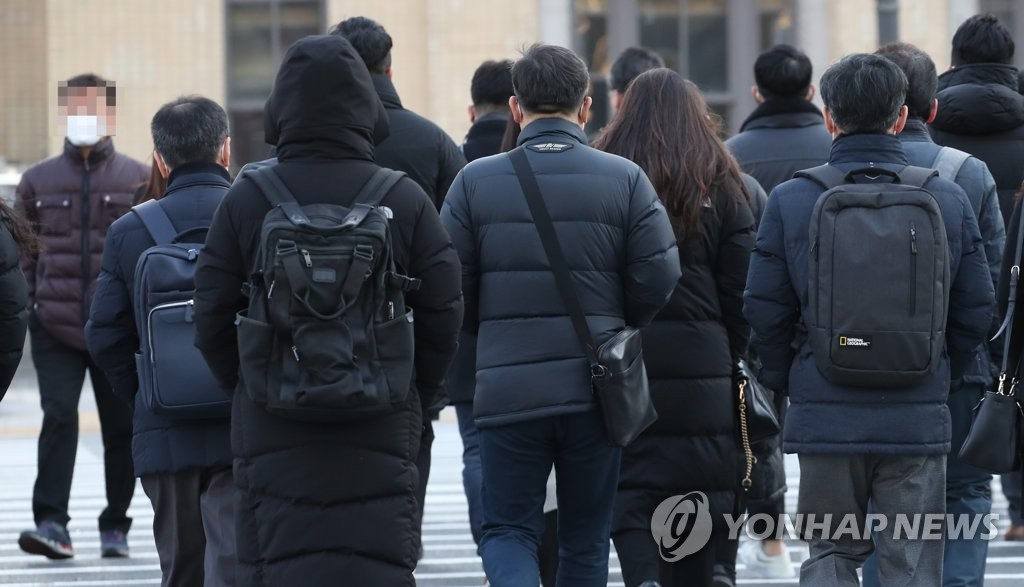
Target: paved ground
(450,559)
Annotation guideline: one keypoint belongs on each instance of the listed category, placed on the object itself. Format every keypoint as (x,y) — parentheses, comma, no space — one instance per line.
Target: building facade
(229,50)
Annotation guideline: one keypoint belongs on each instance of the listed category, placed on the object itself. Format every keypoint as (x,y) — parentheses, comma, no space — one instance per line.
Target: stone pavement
(450,559)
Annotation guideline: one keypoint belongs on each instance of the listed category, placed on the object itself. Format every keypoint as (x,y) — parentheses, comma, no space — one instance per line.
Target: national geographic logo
(856,342)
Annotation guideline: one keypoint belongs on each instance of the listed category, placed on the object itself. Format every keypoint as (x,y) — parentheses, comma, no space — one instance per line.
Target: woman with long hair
(16,238)
(664,125)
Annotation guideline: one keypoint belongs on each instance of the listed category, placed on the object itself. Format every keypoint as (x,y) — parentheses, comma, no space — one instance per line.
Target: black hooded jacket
(13,307)
(322,502)
(982,113)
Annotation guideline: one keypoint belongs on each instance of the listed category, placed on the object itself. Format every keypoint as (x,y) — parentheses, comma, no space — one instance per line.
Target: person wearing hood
(71,200)
(980,110)
(319,501)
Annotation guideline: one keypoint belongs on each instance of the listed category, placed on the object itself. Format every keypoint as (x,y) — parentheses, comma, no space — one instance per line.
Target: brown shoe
(1014,533)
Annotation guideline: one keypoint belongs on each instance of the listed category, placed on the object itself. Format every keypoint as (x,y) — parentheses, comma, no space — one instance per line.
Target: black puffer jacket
(690,350)
(617,241)
(981,112)
(325,504)
(160,444)
(416,146)
(13,307)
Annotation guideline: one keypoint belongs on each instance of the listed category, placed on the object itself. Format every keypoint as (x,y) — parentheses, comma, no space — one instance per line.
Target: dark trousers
(893,485)
(471,476)
(61,372)
(194,526)
(640,561)
(1012,490)
(517,460)
(423,466)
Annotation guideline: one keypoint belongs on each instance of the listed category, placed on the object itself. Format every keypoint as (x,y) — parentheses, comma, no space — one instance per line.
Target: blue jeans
(517,459)
(471,478)
(968,492)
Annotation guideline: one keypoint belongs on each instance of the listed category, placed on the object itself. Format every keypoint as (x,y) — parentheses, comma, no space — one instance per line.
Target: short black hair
(91,80)
(190,129)
(369,39)
(631,63)
(783,71)
(864,93)
(492,83)
(922,79)
(982,39)
(549,79)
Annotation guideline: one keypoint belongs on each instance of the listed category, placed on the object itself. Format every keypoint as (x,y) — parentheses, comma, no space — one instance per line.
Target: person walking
(71,200)
(184,462)
(323,502)
(694,344)
(16,238)
(534,403)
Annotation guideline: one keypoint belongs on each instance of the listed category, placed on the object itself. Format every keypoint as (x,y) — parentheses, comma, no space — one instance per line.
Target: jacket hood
(978,99)
(323,102)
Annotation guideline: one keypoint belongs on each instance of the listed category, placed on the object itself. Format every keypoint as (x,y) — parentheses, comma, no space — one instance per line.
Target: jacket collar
(386,90)
(868,148)
(980,73)
(783,113)
(99,153)
(916,131)
(552,128)
(489,123)
(192,174)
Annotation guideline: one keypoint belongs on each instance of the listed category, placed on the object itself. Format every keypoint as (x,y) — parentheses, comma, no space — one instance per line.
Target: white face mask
(84,131)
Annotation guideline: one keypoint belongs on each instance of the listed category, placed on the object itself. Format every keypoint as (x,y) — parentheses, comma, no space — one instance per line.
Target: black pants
(61,372)
(640,561)
(423,465)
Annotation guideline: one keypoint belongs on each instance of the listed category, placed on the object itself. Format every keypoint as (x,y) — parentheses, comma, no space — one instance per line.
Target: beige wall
(439,43)
(155,50)
(23,112)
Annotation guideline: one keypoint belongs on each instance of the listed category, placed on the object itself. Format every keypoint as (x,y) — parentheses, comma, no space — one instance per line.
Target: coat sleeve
(652,259)
(758,199)
(110,333)
(13,315)
(993,234)
(25,205)
(437,304)
(1003,290)
(770,302)
(971,297)
(450,163)
(220,274)
(731,266)
(457,220)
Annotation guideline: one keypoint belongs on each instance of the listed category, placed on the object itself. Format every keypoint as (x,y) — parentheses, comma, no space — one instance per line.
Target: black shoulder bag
(993,442)
(617,369)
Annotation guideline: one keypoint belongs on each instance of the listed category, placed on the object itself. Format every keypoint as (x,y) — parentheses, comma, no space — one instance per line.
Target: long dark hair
(20,229)
(153,188)
(665,126)
(511,136)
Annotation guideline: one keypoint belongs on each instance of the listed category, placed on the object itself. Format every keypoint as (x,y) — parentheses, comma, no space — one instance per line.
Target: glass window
(259,32)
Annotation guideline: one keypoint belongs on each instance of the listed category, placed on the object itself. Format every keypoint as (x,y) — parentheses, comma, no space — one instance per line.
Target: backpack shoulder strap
(274,190)
(156,221)
(916,176)
(949,161)
(370,195)
(826,176)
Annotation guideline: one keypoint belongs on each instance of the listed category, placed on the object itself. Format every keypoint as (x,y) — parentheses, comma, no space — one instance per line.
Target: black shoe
(49,539)
(113,544)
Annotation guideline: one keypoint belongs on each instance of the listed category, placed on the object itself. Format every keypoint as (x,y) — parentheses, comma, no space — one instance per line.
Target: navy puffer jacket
(617,240)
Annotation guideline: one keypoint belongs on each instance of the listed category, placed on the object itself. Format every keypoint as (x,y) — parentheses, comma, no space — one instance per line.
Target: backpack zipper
(912,289)
(189,306)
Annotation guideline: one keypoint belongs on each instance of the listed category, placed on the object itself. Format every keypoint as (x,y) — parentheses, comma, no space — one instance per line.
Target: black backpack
(879,277)
(327,335)
(174,379)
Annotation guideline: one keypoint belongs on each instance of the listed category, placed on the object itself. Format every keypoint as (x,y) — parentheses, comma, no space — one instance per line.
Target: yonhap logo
(681,525)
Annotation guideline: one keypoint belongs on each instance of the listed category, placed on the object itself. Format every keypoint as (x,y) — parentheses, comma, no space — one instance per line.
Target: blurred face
(83,114)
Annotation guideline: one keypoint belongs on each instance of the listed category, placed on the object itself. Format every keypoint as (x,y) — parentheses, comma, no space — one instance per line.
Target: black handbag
(993,443)
(617,371)
(758,420)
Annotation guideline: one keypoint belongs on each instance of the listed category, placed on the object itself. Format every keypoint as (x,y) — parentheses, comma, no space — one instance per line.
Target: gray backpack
(879,277)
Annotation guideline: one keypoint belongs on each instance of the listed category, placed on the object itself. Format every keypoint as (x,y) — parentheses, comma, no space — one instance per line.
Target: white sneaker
(761,565)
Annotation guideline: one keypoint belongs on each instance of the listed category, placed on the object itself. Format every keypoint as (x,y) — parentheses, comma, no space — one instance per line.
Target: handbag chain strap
(553,250)
(748,452)
(1011,305)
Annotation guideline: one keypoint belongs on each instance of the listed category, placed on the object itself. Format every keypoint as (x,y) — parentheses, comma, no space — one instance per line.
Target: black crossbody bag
(993,442)
(617,369)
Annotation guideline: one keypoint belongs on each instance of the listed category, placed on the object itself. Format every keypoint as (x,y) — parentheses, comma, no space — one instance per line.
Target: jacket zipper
(86,248)
(912,291)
